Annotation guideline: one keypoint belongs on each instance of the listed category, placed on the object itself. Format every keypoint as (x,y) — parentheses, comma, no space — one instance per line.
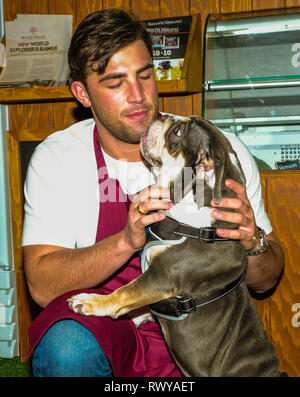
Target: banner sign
(169,38)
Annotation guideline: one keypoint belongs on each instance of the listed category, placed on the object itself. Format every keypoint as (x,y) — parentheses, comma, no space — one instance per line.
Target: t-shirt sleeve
(253,184)
(48,209)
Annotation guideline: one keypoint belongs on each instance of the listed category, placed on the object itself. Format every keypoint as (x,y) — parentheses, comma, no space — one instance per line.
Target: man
(71,242)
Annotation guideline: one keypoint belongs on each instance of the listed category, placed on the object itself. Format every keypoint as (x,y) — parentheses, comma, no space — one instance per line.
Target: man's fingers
(235,234)
(144,207)
(232,203)
(239,189)
(152,192)
(232,217)
(151,218)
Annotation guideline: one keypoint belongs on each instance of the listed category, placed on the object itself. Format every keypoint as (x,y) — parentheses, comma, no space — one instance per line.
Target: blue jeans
(68,349)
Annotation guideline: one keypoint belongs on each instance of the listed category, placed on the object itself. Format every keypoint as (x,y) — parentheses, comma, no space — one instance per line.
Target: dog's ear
(211,157)
(219,181)
(219,155)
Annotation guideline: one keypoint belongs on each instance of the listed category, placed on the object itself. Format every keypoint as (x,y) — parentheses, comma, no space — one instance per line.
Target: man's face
(124,98)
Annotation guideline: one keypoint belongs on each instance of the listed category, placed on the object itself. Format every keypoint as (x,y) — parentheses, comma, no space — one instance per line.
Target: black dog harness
(179,307)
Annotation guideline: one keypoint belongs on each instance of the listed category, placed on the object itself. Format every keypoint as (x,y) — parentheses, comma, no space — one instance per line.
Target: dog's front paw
(87,304)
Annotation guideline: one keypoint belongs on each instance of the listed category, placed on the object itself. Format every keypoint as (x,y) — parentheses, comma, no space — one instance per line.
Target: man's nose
(136,93)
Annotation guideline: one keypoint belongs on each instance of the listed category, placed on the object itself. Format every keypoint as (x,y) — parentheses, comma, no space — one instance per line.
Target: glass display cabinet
(252,84)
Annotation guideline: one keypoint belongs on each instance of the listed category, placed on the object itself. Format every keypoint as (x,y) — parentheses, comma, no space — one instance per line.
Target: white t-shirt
(62,192)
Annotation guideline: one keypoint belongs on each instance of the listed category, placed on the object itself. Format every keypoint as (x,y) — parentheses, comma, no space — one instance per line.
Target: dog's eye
(178,131)
(175,134)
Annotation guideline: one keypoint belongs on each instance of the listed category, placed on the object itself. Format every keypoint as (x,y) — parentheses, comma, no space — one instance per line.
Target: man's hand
(153,198)
(243,216)
(263,271)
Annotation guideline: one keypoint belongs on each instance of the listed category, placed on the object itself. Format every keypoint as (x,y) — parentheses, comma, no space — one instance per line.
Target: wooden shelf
(63,93)
(35,94)
(190,81)
(268,174)
(178,87)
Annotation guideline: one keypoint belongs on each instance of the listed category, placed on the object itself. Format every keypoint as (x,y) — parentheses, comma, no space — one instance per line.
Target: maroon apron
(132,351)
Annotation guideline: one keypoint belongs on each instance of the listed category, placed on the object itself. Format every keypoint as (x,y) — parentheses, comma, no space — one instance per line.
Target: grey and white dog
(192,280)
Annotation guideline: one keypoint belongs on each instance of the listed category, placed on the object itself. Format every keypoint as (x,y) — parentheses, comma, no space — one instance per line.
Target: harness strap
(177,308)
(205,234)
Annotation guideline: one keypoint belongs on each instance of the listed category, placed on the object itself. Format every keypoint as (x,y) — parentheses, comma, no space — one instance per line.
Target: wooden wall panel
(161,104)
(11,8)
(264,191)
(228,6)
(205,8)
(178,105)
(40,115)
(283,207)
(64,114)
(174,8)
(292,3)
(147,9)
(121,4)
(18,117)
(197,104)
(16,199)
(267,4)
(26,308)
(35,7)
(283,197)
(283,333)
(65,7)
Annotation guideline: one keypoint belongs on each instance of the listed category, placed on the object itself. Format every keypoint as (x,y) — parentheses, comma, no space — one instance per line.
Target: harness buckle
(208,235)
(186,304)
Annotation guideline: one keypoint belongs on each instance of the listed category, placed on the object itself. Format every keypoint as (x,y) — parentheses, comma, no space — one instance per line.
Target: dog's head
(164,65)
(191,152)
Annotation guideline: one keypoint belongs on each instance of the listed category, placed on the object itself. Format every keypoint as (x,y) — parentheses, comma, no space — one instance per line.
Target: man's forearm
(264,270)
(63,269)
(52,271)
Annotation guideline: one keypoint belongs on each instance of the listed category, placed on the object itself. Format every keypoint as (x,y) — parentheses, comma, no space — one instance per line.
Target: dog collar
(206,234)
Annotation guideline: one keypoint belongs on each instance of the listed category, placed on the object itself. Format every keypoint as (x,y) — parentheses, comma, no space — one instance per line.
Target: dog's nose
(162,117)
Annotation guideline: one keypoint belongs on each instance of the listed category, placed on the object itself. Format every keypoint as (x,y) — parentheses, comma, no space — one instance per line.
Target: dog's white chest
(187,211)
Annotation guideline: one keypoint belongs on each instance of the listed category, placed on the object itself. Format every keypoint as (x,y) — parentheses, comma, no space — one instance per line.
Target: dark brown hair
(98,37)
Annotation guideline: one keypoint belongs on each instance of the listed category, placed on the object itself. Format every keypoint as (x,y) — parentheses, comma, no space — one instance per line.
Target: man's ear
(80,93)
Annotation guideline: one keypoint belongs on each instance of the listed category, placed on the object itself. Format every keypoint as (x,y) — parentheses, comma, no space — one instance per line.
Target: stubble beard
(124,131)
